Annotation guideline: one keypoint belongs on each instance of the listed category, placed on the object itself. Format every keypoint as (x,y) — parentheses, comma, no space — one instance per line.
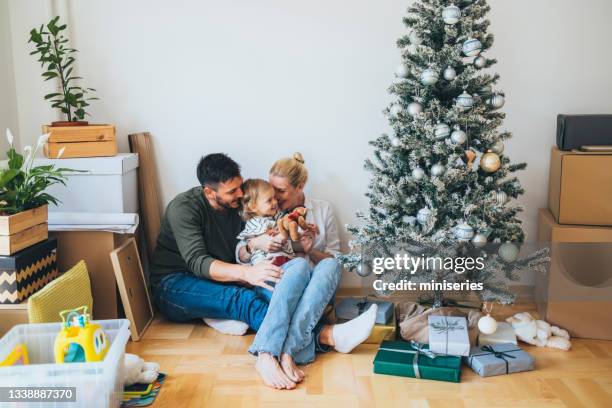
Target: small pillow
(71,290)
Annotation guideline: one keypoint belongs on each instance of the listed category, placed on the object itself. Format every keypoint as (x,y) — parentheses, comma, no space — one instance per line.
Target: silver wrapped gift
(449,335)
(499,359)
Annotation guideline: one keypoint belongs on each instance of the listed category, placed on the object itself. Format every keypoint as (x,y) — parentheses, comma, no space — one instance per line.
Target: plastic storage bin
(98,384)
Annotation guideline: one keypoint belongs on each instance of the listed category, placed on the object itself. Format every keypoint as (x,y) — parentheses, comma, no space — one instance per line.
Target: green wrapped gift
(417,361)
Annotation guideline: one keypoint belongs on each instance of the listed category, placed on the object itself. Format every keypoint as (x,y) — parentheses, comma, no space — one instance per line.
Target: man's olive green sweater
(193,235)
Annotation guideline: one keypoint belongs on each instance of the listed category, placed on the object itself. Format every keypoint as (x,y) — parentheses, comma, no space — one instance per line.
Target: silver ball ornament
(414,108)
(498,147)
(437,170)
(465,101)
(464,232)
(402,71)
(450,74)
(451,15)
(500,197)
(458,137)
(472,47)
(441,131)
(497,101)
(429,76)
(479,240)
(363,270)
(423,216)
(480,62)
(508,252)
(418,173)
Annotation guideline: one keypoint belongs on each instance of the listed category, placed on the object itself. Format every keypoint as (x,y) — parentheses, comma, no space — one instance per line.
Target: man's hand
(263,272)
(267,243)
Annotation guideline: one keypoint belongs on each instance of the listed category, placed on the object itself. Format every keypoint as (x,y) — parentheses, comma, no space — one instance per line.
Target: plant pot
(66,123)
(80,141)
(24,229)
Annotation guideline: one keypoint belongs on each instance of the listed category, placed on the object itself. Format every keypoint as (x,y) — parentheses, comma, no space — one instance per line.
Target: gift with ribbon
(415,360)
(448,335)
(499,359)
(350,308)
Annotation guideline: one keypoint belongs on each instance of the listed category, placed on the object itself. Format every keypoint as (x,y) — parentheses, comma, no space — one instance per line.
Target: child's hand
(314,228)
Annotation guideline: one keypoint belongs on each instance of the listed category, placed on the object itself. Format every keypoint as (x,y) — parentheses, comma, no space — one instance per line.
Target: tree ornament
(470,156)
(497,101)
(480,62)
(402,71)
(418,173)
(414,108)
(363,270)
(464,232)
(423,215)
(395,109)
(409,220)
(498,147)
(465,101)
(451,14)
(429,76)
(395,142)
(487,324)
(441,131)
(437,170)
(500,197)
(479,240)
(450,74)
(490,162)
(472,47)
(508,252)
(414,38)
(458,137)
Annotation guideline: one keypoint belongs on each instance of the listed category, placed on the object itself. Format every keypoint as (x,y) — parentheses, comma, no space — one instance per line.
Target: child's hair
(291,167)
(251,189)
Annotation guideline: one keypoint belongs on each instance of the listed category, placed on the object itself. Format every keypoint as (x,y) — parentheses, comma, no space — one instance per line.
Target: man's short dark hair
(217,168)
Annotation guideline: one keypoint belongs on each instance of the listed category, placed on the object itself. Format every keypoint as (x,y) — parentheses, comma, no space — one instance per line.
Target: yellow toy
(79,340)
(19,356)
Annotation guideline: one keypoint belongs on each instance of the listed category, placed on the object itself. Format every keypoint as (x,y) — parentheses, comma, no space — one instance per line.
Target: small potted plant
(23,200)
(75,135)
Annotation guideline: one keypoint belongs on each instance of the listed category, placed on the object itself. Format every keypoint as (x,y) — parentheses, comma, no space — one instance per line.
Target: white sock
(349,335)
(226,326)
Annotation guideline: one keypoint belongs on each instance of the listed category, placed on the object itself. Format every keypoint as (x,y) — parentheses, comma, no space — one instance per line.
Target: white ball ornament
(450,74)
(429,76)
(498,147)
(418,173)
(414,38)
(500,197)
(479,240)
(487,325)
(402,71)
(395,110)
(497,101)
(508,252)
(414,108)
(442,130)
(437,170)
(472,47)
(458,137)
(451,14)
(363,270)
(480,62)
(423,216)
(464,232)
(465,101)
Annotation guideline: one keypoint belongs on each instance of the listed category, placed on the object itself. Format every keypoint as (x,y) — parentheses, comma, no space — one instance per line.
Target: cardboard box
(94,247)
(580,187)
(576,293)
(80,149)
(11,315)
(109,186)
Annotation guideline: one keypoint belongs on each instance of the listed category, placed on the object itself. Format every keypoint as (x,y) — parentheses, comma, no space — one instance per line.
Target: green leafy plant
(57,60)
(22,185)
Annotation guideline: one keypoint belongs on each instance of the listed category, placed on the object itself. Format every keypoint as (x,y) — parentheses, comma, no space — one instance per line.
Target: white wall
(261,79)
(8,103)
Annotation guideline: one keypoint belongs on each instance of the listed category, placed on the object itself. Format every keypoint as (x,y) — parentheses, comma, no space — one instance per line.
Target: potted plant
(74,134)
(23,200)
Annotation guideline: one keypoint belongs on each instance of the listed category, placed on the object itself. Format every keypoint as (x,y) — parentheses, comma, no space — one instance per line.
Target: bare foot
(292,370)
(271,373)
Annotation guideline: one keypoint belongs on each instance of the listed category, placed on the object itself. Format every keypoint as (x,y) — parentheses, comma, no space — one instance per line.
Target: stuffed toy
(137,371)
(291,222)
(538,332)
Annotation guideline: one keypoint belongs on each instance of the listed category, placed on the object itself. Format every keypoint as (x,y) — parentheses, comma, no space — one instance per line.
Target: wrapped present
(499,359)
(415,360)
(448,335)
(350,308)
(504,334)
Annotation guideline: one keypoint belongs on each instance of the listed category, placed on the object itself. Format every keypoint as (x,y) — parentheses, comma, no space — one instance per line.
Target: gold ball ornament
(490,162)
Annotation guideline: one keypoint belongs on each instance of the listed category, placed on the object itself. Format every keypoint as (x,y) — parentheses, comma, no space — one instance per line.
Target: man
(193,268)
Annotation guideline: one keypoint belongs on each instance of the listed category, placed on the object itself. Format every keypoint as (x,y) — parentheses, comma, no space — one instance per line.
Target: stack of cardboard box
(577,292)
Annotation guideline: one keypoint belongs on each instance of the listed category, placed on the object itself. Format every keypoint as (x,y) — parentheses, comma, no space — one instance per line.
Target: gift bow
(499,354)
(445,328)
(419,349)
(361,305)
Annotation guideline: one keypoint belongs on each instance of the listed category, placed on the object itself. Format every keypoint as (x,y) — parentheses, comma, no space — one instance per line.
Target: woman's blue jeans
(292,325)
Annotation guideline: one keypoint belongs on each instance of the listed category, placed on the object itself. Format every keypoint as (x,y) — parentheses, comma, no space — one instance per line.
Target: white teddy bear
(538,332)
(137,371)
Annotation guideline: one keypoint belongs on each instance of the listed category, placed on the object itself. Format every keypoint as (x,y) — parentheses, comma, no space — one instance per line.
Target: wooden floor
(208,369)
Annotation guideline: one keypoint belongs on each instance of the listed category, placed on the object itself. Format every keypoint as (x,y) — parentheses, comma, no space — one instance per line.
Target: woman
(292,332)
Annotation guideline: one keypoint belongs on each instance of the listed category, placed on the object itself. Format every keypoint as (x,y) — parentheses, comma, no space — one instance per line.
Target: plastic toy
(19,356)
(80,340)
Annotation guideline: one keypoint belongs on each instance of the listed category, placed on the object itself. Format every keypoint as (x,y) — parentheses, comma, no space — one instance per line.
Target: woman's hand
(307,241)
(267,243)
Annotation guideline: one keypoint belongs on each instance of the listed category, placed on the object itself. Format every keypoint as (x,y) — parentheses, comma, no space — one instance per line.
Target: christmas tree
(441,183)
